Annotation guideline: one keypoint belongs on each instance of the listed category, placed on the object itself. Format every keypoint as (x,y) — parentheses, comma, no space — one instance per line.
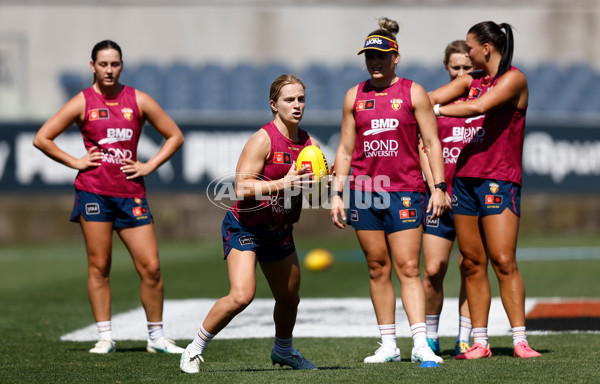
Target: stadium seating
(181,86)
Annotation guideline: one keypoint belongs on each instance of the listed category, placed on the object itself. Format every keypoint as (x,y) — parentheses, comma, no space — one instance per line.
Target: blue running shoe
(294,360)
(434,344)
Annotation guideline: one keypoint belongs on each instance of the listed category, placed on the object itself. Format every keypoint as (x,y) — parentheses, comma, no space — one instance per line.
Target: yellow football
(314,158)
(318,259)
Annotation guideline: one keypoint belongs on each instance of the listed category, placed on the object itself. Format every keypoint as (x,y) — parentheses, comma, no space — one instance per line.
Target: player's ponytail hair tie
(379,43)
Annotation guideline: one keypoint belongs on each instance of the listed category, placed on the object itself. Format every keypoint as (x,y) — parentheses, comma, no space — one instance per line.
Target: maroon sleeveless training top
(495,150)
(113,125)
(274,211)
(453,132)
(386,156)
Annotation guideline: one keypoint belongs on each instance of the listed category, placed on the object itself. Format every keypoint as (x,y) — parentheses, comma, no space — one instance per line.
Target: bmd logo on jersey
(365,105)
(282,158)
(97,114)
(114,135)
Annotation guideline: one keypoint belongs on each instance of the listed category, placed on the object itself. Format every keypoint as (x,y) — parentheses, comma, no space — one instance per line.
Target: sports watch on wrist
(441,186)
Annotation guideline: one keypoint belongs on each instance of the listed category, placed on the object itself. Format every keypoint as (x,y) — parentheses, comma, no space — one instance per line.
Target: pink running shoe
(477,351)
(523,350)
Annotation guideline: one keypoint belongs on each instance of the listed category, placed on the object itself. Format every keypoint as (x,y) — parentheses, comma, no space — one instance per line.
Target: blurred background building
(209,63)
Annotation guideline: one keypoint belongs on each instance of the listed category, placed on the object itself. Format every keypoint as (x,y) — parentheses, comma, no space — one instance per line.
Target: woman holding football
(258,227)
(382,119)
(487,184)
(110,192)
(440,234)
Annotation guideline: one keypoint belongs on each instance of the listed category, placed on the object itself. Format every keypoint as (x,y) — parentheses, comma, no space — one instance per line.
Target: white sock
(518,335)
(104,329)
(283,347)
(464,329)
(388,336)
(480,336)
(202,339)
(155,330)
(432,323)
(419,334)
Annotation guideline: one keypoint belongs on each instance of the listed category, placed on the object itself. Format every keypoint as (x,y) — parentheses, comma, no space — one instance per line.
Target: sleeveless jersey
(494,150)
(279,209)
(386,156)
(452,131)
(113,125)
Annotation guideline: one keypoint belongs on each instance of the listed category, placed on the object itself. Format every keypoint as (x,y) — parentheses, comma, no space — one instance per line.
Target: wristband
(436,109)
(441,186)
(338,193)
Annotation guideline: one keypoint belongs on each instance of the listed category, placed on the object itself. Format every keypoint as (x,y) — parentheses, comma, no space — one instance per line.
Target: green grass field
(43,296)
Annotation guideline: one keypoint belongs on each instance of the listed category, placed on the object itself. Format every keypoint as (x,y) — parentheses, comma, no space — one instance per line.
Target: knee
(504,264)
(151,273)
(99,268)
(410,269)
(471,266)
(379,269)
(290,301)
(241,300)
(434,274)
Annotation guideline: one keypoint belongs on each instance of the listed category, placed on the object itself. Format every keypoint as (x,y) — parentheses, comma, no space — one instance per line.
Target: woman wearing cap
(487,184)
(382,119)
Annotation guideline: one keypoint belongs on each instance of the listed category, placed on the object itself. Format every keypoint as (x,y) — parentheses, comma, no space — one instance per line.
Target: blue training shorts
(124,212)
(442,226)
(484,197)
(268,245)
(387,211)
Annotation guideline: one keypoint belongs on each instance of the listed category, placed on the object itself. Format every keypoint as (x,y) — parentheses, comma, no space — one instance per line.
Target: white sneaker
(424,353)
(384,356)
(163,345)
(190,360)
(103,346)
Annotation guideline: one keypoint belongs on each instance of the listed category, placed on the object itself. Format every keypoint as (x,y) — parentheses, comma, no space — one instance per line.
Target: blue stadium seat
(423,75)
(579,85)
(346,77)
(209,88)
(243,91)
(73,83)
(318,80)
(179,87)
(544,84)
(149,78)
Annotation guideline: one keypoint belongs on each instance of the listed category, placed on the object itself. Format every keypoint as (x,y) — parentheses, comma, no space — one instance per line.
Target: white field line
(335,317)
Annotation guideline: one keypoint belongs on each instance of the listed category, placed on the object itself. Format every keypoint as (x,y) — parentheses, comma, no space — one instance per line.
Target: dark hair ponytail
(491,33)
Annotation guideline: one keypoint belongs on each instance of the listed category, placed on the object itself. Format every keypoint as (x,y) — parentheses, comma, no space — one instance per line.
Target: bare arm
(251,163)
(511,88)
(432,147)
(158,118)
(71,113)
(425,166)
(343,157)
